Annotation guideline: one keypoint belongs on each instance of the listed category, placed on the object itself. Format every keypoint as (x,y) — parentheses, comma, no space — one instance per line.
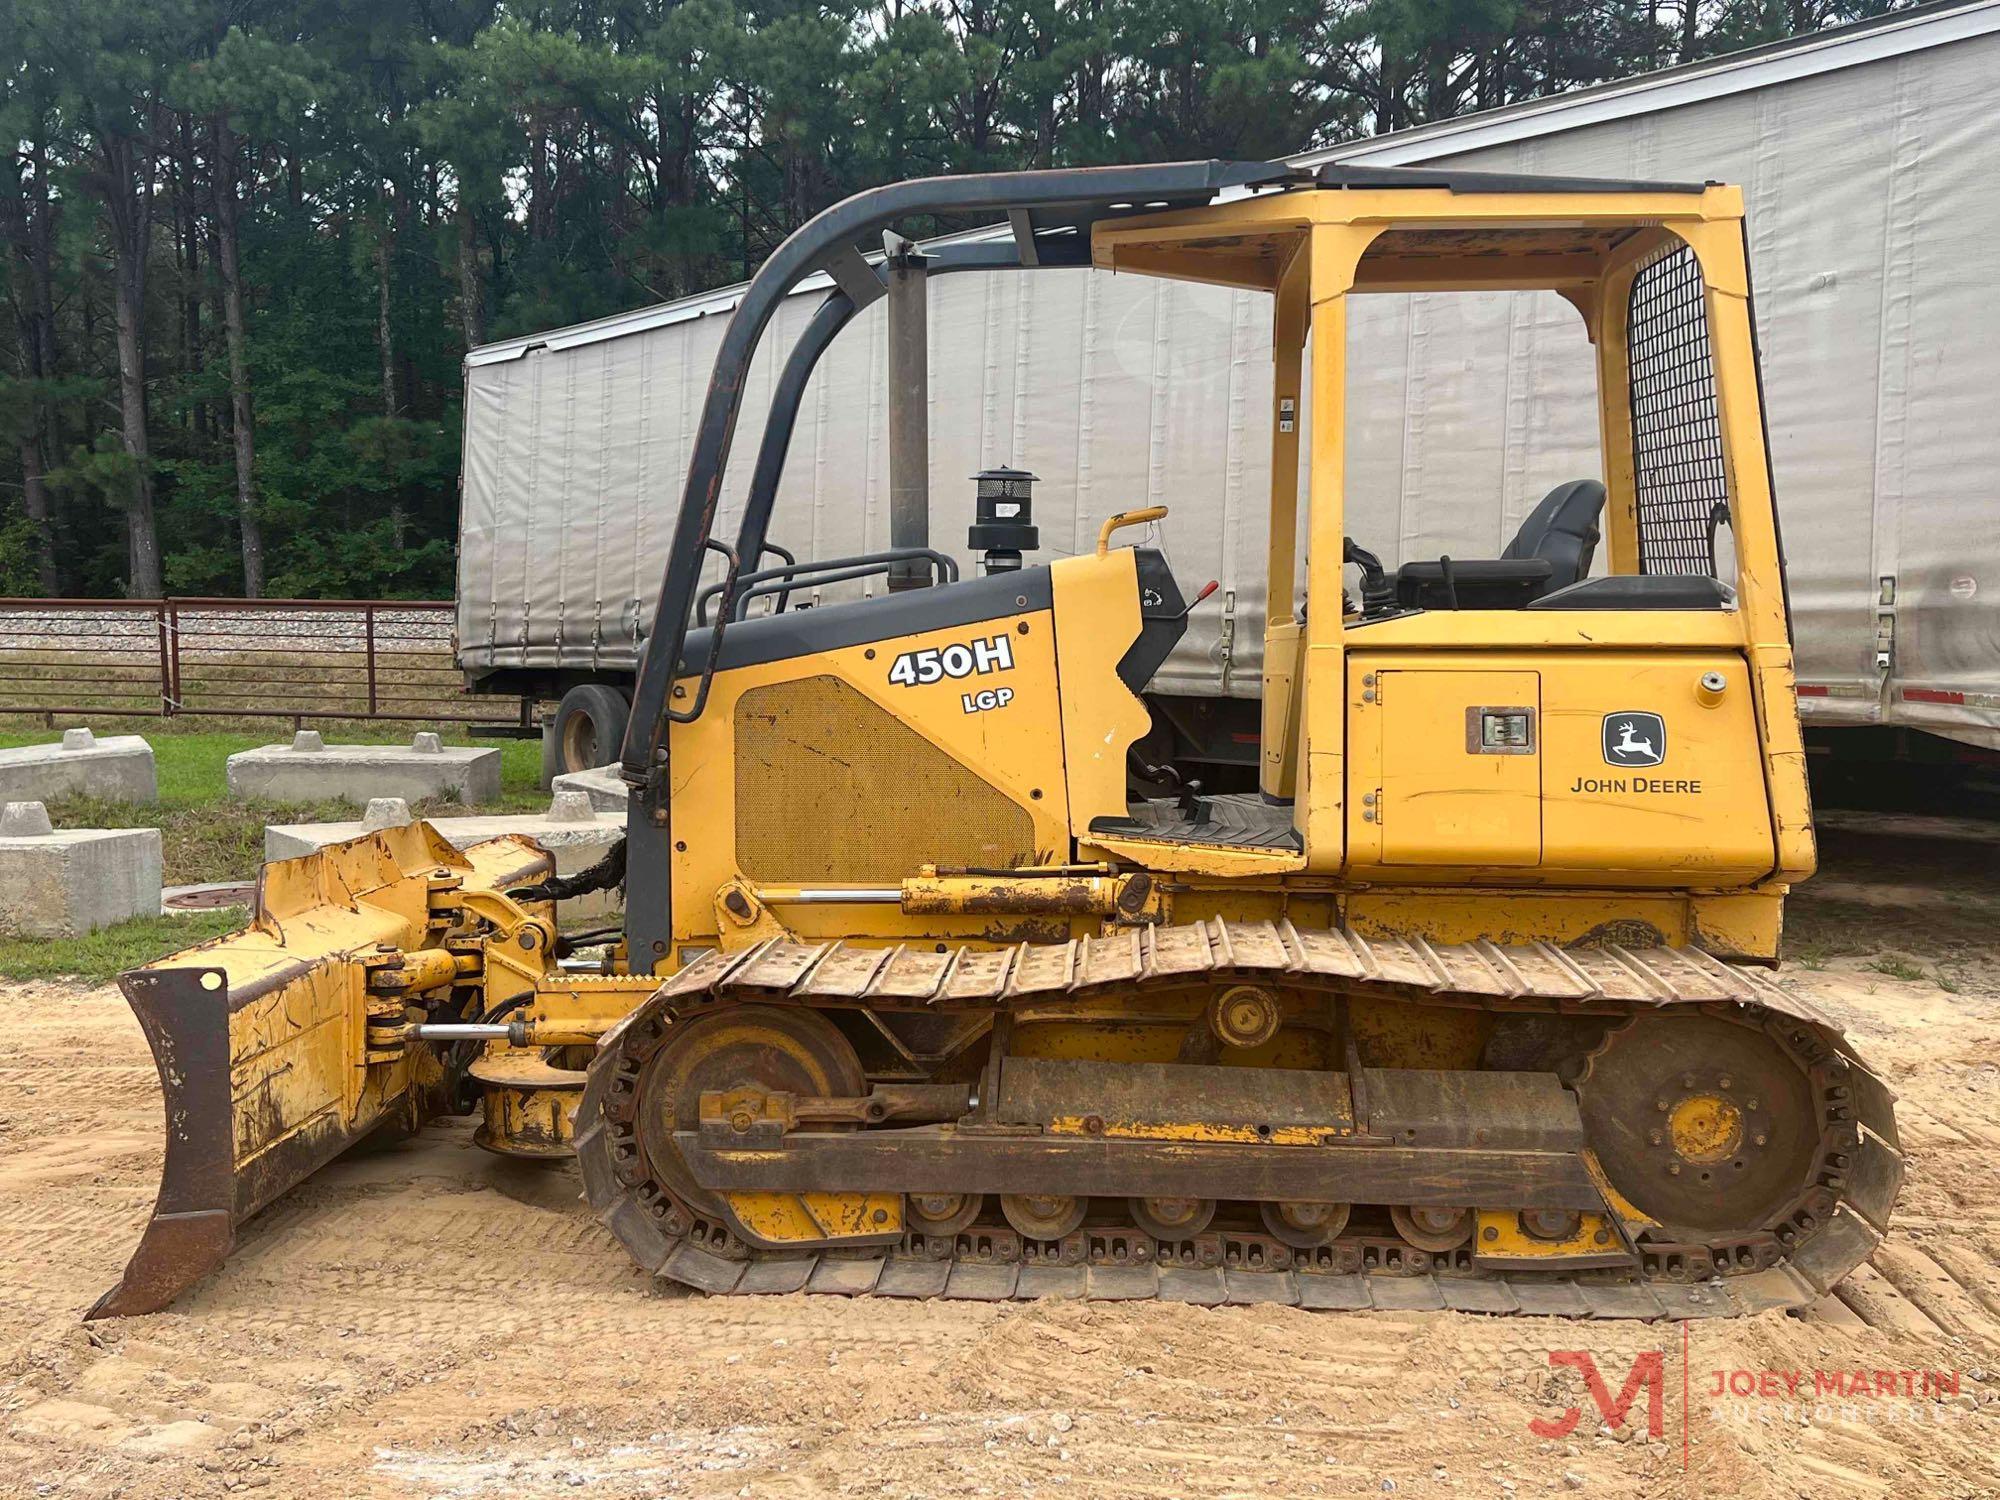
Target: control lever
(1378,590)
(1190,804)
(1206,589)
(1186,793)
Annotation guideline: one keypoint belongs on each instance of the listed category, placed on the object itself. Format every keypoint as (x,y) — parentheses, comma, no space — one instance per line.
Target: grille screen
(830,787)
(1680,479)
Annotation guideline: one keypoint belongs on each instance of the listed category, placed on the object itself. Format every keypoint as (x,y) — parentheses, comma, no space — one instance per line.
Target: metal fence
(241,658)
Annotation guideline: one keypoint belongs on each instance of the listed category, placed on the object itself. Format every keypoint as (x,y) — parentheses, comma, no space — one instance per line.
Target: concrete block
(604,785)
(576,843)
(64,884)
(571,805)
(24,820)
(118,767)
(386,812)
(308,770)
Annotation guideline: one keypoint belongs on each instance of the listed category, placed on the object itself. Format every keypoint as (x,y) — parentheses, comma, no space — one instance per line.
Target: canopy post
(909,411)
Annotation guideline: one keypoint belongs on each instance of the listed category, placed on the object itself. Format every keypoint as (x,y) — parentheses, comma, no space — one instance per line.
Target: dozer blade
(261,1038)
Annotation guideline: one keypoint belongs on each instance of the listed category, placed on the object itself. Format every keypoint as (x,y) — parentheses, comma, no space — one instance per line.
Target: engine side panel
(1593,768)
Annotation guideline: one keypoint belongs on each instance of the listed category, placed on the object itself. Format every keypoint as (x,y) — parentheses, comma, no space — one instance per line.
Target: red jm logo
(1648,1370)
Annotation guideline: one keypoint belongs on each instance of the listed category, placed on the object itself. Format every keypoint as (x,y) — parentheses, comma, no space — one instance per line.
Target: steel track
(1791,1260)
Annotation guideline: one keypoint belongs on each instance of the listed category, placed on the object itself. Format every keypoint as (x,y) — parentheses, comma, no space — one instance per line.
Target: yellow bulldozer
(929,985)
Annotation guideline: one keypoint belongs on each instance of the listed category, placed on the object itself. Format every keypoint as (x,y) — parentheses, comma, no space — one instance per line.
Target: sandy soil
(433,1322)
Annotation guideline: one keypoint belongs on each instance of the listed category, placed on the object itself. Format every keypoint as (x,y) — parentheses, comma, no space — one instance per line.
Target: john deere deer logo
(1634,738)
(1627,745)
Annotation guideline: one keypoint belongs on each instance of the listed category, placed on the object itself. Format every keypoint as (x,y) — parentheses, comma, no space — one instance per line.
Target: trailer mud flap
(262,1045)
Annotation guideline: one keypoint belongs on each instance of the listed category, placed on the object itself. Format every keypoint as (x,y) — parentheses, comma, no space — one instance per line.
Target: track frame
(1836,1220)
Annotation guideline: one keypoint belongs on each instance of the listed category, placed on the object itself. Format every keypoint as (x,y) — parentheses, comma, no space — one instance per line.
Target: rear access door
(1459,780)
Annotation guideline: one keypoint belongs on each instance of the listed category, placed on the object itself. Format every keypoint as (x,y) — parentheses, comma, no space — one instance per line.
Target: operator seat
(1551,551)
(1562,531)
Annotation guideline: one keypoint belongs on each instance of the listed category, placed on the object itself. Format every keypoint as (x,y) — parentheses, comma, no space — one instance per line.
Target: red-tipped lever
(1206,589)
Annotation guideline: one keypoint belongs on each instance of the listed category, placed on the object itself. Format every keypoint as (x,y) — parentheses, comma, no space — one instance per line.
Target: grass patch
(109,951)
(1815,936)
(1810,948)
(1902,968)
(205,836)
(1899,968)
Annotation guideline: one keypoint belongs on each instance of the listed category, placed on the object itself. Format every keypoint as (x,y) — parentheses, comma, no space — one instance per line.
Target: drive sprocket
(1704,1123)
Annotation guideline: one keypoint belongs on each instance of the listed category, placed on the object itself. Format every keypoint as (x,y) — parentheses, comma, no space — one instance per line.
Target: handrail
(800,575)
(735,563)
(1144,516)
(701,602)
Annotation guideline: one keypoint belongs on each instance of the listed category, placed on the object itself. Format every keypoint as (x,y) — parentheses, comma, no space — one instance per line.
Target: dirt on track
(431,1321)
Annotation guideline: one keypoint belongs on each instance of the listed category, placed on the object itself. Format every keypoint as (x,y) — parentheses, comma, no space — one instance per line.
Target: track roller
(1043,1216)
(1434,1229)
(942,1213)
(1304,1226)
(1172,1218)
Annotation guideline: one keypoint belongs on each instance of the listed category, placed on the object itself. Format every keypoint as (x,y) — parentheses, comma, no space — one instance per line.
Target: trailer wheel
(588,728)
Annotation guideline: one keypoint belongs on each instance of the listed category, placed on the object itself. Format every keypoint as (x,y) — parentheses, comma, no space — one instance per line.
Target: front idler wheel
(774,1049)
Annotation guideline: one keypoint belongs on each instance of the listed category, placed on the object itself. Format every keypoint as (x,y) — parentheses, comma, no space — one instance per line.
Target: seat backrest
(1562,530)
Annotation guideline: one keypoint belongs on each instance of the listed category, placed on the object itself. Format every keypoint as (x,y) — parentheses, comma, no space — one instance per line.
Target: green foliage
(1898,968)
(108,952)
(408,180)
(17,554)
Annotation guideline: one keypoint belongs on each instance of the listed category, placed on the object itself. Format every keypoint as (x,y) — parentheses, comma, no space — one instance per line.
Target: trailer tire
(588,728)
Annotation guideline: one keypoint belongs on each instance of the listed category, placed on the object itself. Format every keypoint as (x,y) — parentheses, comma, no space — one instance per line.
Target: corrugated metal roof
(1915,30)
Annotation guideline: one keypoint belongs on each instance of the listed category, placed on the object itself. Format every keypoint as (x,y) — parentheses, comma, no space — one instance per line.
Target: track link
(1832,1225)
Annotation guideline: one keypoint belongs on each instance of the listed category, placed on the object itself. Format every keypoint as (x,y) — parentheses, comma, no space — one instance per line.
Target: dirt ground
(433,1322)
